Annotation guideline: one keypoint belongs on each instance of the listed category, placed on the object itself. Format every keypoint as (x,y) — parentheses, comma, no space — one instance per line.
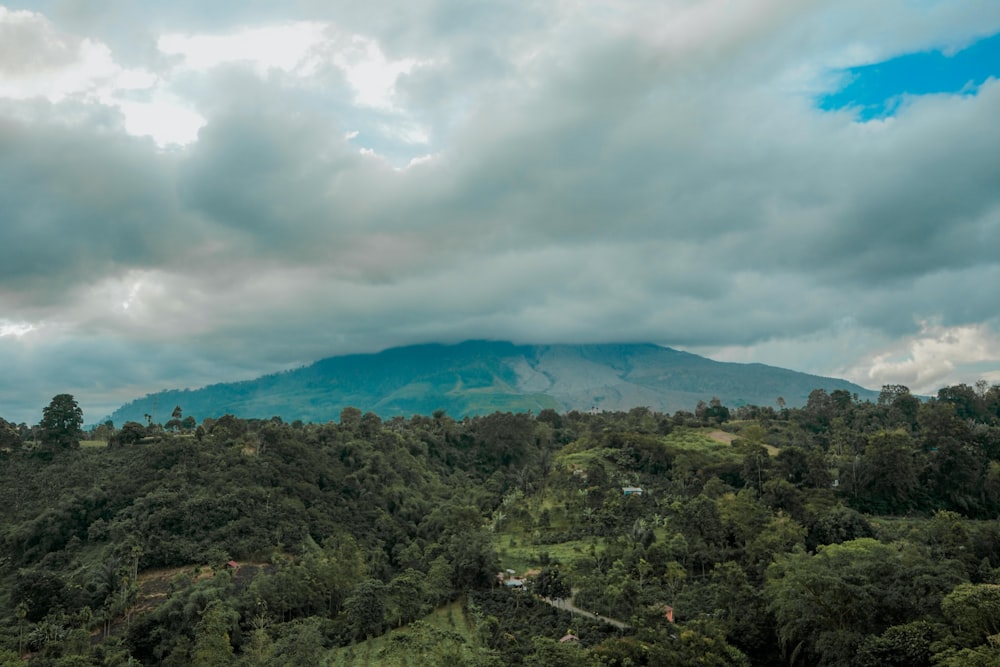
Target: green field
(94,443)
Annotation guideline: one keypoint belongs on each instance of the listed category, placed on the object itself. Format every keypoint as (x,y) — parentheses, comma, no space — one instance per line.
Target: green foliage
(974,612)
(839,524)
(356,530)
(908,645)
(10,437)
(552,653)
(212,647)
(889,481)
(61,424)
(826,603)
(365,609)
(550,583)
(129,434)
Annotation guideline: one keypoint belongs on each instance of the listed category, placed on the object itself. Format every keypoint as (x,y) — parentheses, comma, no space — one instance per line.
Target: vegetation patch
(866,536)
(445,636)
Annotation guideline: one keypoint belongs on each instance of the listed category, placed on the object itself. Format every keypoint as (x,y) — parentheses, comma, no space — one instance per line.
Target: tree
(365,608)
(901,645)
(350,419)
(716,411)
(129,434)
(61,423)
(407,597)
(899,405)
(889,478)
(549,583)
(755,464)
(212,647)
(818,412)
(968,404)
(551,653)
(974,612)
(825,604)
(839,524)
(9,437)
(473,559)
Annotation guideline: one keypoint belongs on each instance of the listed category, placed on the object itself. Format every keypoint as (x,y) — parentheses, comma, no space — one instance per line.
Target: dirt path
(567,605)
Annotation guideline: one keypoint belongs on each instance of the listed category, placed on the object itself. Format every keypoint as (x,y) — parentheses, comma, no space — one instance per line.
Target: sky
(196,192)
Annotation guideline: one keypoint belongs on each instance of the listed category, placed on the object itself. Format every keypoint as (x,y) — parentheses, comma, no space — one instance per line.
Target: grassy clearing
(94,443)
(581,459)
(699,442)
(518,554)
(443,633)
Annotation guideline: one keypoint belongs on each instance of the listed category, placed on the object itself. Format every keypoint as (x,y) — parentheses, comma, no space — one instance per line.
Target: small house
(632,490)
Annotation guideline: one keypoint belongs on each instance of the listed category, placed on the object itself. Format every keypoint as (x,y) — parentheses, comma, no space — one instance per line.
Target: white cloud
(372,75)
(287,47)
(937,356)
(302,49)
(67,67)
(60,66)
(165,118)
(15,329)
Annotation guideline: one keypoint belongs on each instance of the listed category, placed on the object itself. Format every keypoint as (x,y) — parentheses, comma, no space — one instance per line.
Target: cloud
(287,47)
(930,359)
(188,206)
(68,67)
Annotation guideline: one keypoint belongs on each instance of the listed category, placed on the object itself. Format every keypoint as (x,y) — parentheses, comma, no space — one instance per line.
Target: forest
(844,532)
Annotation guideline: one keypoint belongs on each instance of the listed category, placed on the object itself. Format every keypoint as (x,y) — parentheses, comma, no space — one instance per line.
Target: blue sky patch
(876,90)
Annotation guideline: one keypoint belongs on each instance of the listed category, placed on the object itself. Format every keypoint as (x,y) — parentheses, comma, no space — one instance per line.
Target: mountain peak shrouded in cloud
(200,192)
(481,377)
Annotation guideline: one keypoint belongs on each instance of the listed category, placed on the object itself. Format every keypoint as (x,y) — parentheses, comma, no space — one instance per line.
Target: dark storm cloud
(78,205)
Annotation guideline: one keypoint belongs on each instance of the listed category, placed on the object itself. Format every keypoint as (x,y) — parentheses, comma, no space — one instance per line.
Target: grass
(582,452)
(581,459)
(698,440)
(515,554)
(94,443)
(445,632)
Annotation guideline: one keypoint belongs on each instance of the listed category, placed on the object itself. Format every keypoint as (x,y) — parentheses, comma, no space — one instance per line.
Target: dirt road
(567,605)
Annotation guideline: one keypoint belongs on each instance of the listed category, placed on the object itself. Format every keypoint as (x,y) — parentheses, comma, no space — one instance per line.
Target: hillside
(513,539)
(480,377)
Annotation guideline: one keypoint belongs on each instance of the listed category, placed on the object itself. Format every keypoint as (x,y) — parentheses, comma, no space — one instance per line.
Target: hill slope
(480,377)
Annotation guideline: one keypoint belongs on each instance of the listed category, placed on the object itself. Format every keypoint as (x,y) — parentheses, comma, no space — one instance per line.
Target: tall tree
(365,609)
(889,478)
(212,647)
(62,421)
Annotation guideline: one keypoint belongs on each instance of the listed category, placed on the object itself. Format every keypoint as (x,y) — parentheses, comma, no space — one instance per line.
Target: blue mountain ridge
(480,377)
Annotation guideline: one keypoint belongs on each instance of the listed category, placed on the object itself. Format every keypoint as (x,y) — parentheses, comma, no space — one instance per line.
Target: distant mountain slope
(479,377)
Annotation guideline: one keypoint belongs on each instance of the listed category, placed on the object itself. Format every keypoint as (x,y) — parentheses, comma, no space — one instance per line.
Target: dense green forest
(844,532)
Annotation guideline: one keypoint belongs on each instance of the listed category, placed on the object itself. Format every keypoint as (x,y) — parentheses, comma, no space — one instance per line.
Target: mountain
(480,377)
